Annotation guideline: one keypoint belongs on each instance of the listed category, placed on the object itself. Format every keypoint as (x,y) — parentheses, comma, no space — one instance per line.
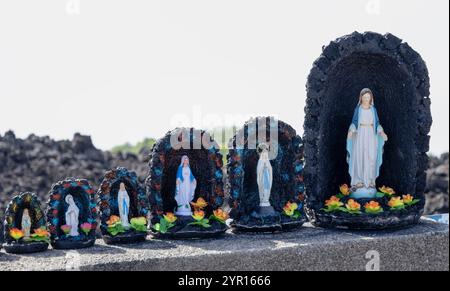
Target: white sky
(121,70)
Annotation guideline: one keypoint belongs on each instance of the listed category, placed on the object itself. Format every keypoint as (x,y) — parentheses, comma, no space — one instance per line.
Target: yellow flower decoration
(170,217)
(16,233)
(345,190)
(290,208)
(200,204)
(373,207)
(396,203)
(42,232)
(220,215)
(352,205)
(198,215)
(113,219)
(387,190)
(333,202)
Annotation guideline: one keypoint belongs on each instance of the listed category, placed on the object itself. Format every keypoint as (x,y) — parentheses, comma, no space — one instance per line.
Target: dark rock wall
(35,163)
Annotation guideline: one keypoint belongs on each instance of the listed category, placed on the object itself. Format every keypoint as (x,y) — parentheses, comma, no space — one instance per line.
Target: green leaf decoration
(116,228)
(139,224)
(415,201)
(163,226)
(203,223)
(380,195)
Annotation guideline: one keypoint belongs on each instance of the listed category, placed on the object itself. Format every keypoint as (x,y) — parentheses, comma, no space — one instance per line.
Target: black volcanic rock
(34,163)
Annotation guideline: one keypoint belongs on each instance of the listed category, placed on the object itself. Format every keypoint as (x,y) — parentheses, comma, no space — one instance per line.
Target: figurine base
(185,231)
(363,192)
(266,220)
(384,220)
(25,248)
(72,244)
(125,238)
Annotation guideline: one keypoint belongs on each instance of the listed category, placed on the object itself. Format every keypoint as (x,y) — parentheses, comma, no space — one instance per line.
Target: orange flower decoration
(345,190)
(16,233)
(290,208)
(42,232)
(198,215)
(407,199)
(200,204)
(396,203)
(352,205)
(170,217)
(387,190)
(373,207)
(113,219)
(220,214)
(333,202)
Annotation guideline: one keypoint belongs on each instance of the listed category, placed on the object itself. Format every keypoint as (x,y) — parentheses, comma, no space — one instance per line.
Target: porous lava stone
(206,164)
(399,79)
(287,184)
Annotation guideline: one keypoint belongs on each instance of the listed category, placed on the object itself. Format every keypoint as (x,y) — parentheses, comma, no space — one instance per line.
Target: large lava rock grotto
(399,79)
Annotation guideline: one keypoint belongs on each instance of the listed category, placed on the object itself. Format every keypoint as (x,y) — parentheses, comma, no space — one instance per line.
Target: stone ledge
(422,247)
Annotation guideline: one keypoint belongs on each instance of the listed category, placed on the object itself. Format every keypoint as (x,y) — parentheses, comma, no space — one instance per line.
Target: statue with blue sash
(365,142)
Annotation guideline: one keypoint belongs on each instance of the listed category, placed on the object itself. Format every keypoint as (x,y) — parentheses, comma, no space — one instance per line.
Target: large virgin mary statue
(365,142)
(185,188)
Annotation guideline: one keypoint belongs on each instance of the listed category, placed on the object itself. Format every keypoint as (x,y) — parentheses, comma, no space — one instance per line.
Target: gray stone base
(421,247)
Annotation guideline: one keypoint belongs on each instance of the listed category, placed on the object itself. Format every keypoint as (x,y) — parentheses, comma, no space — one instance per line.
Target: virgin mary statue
(72,214)
(264,176)
(365,142)
(185,188)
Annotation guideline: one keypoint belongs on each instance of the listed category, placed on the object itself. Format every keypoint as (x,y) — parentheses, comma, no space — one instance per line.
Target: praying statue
(365,142)
(124,205)
(264,176)
(72,214)
(185,188)
(26,223)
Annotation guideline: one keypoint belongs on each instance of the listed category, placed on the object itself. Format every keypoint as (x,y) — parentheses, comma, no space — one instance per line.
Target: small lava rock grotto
(288,186)
(85,199)
(13,219)
(206,165)
(399,79)
(108,204)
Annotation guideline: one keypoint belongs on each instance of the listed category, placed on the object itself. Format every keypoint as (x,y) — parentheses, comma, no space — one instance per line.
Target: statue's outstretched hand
(349,135)
(384,136)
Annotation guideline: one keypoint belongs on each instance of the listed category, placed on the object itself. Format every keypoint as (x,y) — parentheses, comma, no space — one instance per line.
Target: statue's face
(366,99)
(122,186)
(186,162)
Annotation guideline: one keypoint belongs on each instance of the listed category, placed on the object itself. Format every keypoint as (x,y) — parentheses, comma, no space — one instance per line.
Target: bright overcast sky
(124,70)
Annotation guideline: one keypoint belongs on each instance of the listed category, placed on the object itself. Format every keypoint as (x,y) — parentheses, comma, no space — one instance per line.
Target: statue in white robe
(365,142)
(72,215)
(264,176)
(185,188)
(26,223)
(124,205)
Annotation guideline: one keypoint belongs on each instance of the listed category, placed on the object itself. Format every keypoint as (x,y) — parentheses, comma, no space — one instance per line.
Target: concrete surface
(422,247)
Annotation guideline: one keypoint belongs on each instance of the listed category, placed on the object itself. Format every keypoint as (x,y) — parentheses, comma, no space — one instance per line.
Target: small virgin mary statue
(26,223)
(264,176)
(123,201)
(365,142)
(185,188)
(72,214)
